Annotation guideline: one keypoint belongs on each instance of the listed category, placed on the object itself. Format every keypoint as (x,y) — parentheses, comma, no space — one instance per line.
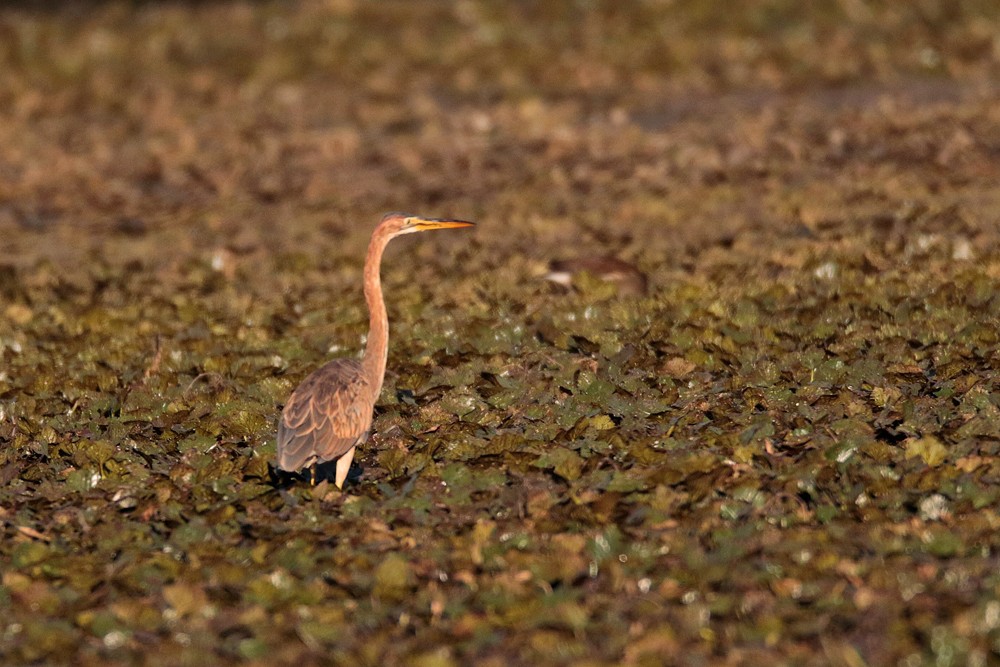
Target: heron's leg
(343,465)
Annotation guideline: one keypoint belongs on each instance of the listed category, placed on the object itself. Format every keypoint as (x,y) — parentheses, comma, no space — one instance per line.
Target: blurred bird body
(330,413)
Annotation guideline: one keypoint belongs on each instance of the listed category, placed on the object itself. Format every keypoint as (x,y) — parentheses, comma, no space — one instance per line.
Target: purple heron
(330,413)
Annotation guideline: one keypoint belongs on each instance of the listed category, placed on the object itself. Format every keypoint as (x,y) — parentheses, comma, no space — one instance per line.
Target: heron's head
(398,224)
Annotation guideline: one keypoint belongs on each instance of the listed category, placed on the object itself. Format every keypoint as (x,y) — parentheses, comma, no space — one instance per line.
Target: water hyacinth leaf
(29,553)
(600,423)
(563,462)
(626,482)
(185,599)
(393,577)
(782,449)
(927,448)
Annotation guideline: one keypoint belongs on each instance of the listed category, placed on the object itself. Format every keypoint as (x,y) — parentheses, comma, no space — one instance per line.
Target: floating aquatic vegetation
(784,449)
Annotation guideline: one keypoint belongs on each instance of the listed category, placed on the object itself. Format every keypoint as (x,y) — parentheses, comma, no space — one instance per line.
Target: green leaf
(929,448)
(564,462)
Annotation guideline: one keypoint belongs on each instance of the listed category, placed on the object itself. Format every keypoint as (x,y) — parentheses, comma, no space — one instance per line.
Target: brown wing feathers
(329,413)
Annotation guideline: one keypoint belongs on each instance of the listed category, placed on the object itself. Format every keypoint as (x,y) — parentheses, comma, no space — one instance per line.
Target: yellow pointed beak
(427,224)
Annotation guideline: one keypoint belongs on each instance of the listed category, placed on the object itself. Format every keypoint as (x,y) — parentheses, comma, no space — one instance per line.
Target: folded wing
(330,412)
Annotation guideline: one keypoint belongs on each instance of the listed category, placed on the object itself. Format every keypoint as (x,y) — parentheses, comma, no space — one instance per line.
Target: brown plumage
(330,413)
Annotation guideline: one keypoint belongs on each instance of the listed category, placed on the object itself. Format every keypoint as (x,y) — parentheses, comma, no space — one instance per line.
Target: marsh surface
(785,453)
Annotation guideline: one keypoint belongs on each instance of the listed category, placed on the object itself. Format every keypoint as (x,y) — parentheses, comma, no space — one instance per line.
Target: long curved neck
(377,347)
